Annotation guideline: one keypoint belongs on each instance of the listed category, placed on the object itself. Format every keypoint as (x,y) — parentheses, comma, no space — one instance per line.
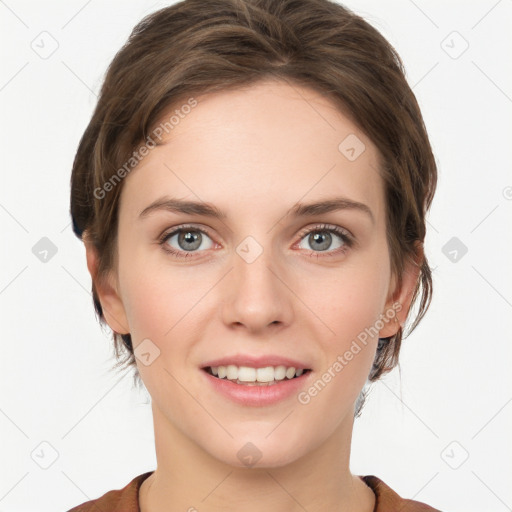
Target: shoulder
(119,500)
(387,500)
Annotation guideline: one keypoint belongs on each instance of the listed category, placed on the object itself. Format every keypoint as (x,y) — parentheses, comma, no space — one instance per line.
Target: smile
(246,375)
(257,387)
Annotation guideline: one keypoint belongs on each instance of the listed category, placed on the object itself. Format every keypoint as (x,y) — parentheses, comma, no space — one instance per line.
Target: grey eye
(189,240)
(323,240)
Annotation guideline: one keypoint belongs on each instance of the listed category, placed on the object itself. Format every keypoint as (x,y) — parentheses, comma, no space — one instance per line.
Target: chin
(258,451)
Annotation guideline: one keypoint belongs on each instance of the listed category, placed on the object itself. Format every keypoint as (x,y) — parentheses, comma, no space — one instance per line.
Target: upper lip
(256,361)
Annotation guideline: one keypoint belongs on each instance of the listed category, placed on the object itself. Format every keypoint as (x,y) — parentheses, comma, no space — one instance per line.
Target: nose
(256,294)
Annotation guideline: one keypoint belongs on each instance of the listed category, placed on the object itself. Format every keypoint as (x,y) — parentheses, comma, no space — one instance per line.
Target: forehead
(271,144)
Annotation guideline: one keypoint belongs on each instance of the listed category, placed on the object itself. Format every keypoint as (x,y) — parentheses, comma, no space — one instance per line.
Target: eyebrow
(298,210)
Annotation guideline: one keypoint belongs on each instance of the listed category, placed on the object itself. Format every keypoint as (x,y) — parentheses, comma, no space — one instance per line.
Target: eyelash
(346,238)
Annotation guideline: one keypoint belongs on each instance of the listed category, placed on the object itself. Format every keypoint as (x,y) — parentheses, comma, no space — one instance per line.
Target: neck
(189,479)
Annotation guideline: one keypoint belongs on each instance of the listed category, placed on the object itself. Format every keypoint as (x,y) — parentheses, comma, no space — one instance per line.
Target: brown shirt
(127,499)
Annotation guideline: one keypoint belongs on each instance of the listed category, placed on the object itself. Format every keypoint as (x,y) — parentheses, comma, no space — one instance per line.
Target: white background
(453,399)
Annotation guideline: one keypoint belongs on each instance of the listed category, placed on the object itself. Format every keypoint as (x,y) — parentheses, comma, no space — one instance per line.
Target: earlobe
(400,300)
(111,303)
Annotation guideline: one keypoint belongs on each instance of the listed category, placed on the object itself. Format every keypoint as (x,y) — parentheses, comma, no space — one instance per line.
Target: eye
(330,239)
(185,240)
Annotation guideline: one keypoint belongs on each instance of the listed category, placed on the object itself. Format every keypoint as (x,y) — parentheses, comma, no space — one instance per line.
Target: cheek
(166,308)
(144,303)
(171,307)
(157,296)
(347,302)
(349,307)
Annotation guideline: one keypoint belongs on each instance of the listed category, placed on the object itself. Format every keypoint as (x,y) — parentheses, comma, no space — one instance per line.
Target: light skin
(254,153)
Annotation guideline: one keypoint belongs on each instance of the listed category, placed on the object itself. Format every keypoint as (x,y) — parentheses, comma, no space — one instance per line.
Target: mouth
(251,376)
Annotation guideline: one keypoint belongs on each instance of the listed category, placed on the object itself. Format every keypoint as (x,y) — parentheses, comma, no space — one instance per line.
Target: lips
(256,361)
(257,380)
(256,393)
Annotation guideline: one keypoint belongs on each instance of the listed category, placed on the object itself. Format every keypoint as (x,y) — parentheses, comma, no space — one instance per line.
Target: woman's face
(267,283)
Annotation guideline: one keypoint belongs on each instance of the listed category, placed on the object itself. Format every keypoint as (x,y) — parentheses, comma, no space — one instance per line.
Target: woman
(251,191)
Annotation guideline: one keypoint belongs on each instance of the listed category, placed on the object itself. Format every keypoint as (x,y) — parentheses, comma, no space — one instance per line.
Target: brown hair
(196,47)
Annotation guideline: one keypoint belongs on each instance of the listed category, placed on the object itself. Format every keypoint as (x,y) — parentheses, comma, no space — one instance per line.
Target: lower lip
(257,396)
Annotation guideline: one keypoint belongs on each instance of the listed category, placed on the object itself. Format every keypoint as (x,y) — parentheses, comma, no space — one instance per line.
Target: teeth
(290,373)
(265,374)
(231,372)
(248,374)
(279,372)
(245,374)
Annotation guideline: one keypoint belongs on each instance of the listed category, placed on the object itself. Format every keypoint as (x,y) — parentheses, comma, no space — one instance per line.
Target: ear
(399,300)
(106,288)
